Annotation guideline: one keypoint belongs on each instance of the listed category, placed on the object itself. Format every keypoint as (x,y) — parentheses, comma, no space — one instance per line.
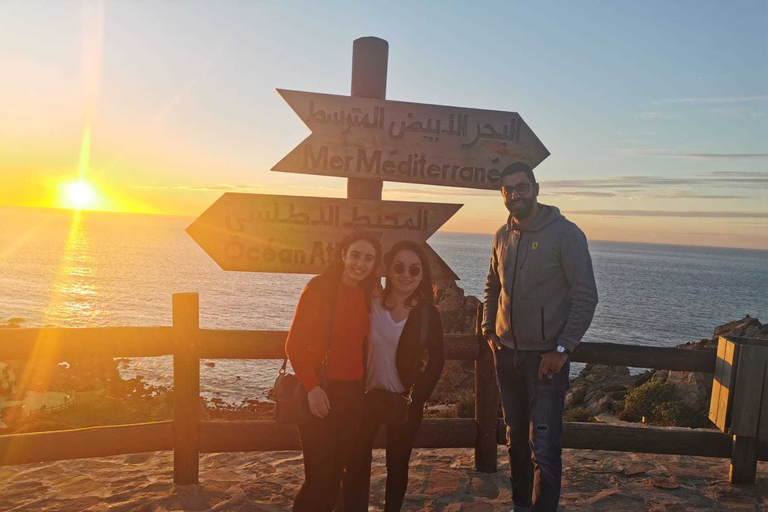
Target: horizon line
(72,210)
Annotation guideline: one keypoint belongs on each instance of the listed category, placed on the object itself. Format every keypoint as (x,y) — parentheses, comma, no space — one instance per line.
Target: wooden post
(486,402)
(743,460)
(186,388)
(369,80)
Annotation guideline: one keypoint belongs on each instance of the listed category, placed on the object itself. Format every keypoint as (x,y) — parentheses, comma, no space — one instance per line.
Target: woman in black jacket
(405,356)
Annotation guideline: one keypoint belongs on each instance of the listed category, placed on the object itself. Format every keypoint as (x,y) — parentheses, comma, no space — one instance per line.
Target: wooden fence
(188,436)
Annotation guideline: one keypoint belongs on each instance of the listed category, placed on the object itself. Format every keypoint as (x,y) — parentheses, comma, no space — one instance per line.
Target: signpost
(366,139)
(272,233)
(408,142)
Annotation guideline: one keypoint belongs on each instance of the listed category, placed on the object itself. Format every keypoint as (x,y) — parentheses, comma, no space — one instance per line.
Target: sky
(655,113)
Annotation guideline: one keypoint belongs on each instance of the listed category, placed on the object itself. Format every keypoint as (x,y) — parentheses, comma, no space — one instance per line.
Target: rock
(693,389)
(457,310)
(595,383)
(575,396)
(736,326)
(483,485)
(616,386)
(593,396)
(642,378)
(664,482)
(638,468)
(442,482)
(615,499)
(660,375)
(210,364)
(600,406)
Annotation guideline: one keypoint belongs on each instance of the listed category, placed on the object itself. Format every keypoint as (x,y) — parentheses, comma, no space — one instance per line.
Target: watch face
(560,349)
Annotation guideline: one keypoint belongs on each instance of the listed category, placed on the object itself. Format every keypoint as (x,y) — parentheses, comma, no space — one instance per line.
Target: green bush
(655,403)
(579,415)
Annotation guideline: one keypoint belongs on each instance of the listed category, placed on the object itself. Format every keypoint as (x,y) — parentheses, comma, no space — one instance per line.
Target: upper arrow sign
(408,142)
(272,233)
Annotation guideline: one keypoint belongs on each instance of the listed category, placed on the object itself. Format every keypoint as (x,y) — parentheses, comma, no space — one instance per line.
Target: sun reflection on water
(75,292)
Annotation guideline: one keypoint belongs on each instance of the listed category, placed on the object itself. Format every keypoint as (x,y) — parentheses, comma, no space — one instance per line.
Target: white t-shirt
(383,339)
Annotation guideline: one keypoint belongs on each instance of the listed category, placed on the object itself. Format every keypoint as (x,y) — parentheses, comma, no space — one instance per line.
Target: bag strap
(334,294)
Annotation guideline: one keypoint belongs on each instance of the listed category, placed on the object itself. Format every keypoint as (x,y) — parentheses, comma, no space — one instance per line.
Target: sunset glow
(672,151)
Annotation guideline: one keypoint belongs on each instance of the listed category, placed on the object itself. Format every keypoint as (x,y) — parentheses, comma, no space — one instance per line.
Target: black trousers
(399,444)
(327,445)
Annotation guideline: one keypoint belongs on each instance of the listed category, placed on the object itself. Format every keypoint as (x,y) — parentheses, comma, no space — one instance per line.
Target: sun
(80,195)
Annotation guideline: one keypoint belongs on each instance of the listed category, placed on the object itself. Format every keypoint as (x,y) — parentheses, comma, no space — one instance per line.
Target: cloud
(736,112)
(655,115)
(737,174)
(717,156)
(670,213)
(641,183)
(704,185)
(710,100)
(670,152)
(685,194)
(582,194)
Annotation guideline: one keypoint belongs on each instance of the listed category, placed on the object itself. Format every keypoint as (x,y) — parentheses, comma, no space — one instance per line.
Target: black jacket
(410,350)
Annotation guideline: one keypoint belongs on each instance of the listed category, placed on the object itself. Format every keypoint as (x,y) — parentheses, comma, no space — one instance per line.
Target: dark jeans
(533,414)
(327,444)
(399,444)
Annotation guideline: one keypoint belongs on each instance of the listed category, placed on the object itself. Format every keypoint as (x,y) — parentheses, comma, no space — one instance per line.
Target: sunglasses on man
(399,268)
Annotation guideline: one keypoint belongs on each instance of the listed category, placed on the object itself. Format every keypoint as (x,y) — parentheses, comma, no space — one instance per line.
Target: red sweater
(306,340)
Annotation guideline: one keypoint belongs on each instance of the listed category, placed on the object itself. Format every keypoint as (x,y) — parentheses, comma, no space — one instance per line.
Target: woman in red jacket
(328,330)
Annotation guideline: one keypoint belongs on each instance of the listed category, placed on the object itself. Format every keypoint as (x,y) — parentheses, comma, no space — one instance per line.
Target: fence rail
(188,436)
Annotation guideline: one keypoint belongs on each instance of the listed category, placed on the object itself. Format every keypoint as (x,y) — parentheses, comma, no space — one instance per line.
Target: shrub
(578,414)
(655,401)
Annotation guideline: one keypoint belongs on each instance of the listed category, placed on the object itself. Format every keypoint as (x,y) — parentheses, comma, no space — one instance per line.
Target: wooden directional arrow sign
(408,142)
(272,233)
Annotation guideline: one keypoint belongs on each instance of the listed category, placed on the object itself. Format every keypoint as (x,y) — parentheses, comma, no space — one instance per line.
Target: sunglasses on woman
(399,268)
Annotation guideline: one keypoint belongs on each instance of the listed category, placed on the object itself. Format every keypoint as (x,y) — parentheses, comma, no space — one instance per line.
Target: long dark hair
(424,292)
(336,268)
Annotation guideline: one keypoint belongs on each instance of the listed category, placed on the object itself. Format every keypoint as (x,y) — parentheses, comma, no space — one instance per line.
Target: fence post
(743,460)
(486,402)
(186,388)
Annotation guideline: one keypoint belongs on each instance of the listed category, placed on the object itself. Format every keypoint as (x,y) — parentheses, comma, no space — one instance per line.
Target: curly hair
(425,290)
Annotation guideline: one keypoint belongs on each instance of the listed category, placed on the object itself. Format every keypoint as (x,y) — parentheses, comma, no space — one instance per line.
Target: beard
(522,211)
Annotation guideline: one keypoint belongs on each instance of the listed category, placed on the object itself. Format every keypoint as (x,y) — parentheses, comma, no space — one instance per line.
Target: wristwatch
(562,350)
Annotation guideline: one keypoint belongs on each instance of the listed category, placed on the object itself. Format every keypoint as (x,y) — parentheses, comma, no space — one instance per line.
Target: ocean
(104,269)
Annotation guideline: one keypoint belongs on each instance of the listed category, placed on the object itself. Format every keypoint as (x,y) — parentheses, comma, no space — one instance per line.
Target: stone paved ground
(441,480)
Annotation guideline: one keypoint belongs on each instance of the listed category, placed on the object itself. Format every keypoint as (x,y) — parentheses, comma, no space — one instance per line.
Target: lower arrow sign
(288,234)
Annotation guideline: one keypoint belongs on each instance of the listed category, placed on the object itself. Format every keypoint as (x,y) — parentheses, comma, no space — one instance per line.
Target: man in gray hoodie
(540,296)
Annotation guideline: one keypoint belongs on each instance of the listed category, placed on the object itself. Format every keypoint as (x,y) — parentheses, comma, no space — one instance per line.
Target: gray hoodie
(540,291)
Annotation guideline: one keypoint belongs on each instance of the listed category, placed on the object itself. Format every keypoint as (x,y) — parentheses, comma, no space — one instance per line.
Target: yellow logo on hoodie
(535,245)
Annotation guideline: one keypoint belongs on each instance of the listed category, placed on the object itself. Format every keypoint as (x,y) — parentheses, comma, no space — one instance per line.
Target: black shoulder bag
(291,403)
(389,407)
